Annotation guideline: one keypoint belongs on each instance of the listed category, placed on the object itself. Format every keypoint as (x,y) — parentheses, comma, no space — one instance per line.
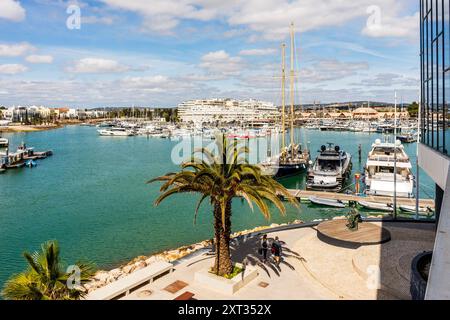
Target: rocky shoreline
(104,277)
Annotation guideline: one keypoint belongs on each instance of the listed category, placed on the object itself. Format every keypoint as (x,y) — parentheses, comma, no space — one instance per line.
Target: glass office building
(435,73)
(434,146)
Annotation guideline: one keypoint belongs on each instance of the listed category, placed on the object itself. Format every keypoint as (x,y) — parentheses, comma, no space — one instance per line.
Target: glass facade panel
(435,72)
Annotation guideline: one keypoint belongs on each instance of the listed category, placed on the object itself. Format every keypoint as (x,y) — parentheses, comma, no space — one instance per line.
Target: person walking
(276,250)
(264,248)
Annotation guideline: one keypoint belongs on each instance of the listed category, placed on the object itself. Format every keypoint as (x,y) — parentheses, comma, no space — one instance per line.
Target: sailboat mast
(395,157)
(417,155)
(292,89)
(283,95)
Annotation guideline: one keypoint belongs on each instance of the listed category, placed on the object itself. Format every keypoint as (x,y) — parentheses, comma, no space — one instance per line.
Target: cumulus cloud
(147,91)
(15,50)
(12,69)
(39,58)
(390,80)
(12,10)
(392,26)
(331,69)
(221,63)
(257,52)
(106,20)
(270,18)
(97,65)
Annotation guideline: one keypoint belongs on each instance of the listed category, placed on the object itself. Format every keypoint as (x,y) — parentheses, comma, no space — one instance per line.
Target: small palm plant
(46,278)
(220,178)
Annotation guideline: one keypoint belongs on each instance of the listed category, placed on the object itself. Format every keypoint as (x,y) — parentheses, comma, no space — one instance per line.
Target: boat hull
(289,170)
(327,202)
(376,206)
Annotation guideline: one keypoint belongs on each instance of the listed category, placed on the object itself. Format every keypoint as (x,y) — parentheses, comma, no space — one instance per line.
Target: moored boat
(4,143)
(376,206)
(327,202)
(330,170)
(412,209)
(292,159)
(382,160)
(116,132)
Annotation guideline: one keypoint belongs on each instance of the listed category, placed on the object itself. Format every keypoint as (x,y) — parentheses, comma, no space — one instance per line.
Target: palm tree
(46,278)
(220,178)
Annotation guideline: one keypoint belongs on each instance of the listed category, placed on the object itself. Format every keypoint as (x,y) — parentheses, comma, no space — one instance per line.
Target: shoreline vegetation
(104,277)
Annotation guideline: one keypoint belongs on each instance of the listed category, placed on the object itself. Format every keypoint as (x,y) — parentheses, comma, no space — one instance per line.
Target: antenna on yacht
(395,157)
(417,155)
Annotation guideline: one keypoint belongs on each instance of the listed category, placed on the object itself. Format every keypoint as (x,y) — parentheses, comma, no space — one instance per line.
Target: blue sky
(161,52)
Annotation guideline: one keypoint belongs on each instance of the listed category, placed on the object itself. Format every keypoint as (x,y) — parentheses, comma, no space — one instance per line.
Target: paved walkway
(326,271)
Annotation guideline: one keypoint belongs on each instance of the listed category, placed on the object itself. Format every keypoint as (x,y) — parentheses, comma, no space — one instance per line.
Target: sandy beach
(29,128)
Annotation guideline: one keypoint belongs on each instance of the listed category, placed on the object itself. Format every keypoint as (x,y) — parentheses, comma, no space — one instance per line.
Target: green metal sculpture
(353,219)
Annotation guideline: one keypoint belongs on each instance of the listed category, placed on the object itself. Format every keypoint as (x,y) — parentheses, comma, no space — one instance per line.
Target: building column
(438,202)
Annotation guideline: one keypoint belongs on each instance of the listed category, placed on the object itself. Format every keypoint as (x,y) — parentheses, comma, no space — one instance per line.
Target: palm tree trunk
(222,264)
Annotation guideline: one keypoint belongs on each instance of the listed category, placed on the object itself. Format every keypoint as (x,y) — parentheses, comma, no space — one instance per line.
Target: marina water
(93,198)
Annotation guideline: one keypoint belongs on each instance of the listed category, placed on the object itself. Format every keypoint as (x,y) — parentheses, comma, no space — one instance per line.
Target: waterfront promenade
(326,270)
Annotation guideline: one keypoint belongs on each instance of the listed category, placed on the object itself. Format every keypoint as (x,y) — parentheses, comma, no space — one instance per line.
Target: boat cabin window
(329,165)
(401,171)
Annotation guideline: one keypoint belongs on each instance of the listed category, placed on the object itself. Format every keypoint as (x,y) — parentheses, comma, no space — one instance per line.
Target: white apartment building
(226,110)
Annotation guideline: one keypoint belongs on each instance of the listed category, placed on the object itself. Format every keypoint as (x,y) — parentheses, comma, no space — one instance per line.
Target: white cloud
(331,69)
(15,50)
(270,18)
(390,80)
(164,15)
(392,26)
(106,20)
(258,52)
(12,68)
(221,63)
(97,65)
(39,58)
(11,10)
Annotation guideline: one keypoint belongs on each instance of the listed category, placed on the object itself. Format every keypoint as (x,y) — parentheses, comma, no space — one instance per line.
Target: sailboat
(292,159)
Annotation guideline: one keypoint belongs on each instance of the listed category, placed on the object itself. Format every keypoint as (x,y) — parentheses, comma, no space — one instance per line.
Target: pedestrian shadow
(244,249)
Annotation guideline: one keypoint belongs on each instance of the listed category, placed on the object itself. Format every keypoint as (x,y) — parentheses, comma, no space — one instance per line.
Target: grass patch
(234,273)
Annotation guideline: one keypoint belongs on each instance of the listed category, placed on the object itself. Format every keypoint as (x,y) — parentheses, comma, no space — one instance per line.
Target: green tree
(220,178)
(46,278)
(413,109)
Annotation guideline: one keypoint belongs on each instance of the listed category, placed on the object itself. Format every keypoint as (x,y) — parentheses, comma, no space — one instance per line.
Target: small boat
(31,163)
(412,209)
(376,206)
(327,202)
(4,143)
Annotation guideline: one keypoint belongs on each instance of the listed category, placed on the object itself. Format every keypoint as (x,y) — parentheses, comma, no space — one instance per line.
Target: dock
(304,194)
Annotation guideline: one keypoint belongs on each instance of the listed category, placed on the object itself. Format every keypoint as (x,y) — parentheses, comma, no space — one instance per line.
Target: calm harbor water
(92,196)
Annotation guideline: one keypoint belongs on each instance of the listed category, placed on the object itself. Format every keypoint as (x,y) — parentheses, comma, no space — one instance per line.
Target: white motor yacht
(379,170)
(117,132)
